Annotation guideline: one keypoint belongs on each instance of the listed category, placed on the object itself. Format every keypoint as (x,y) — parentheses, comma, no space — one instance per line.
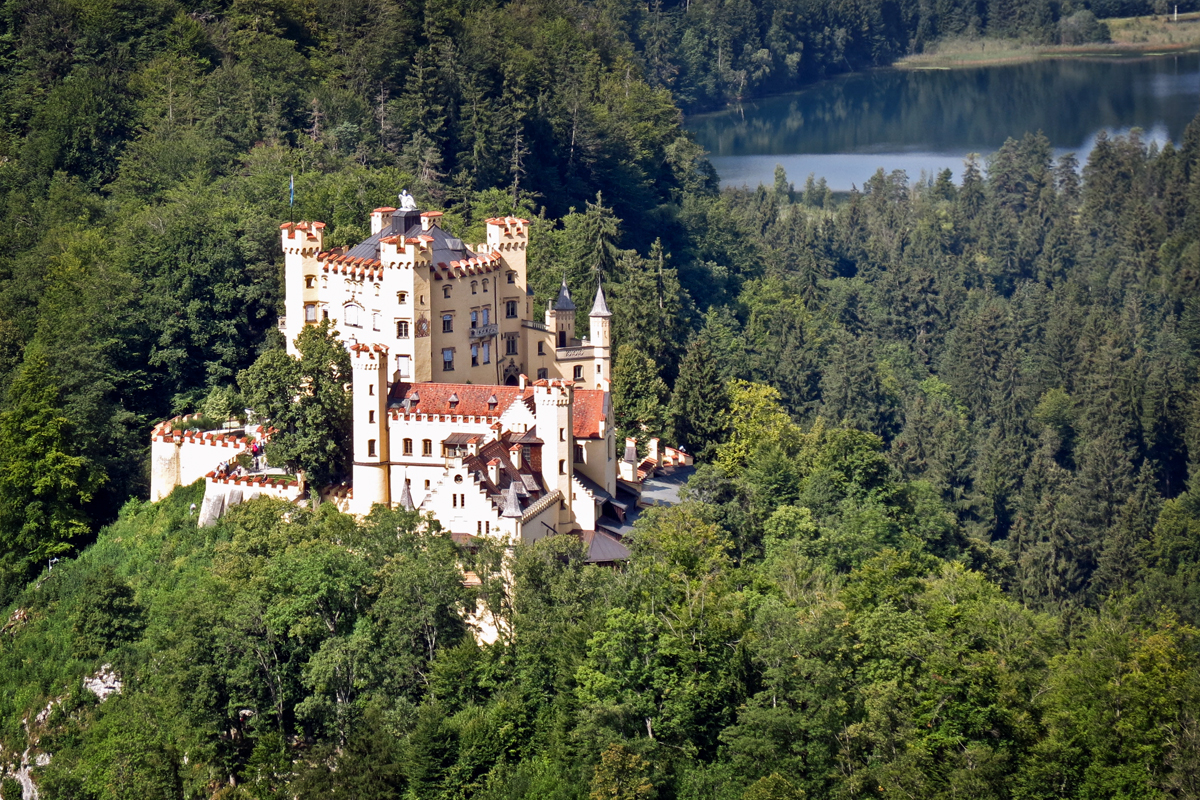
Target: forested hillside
(943,541)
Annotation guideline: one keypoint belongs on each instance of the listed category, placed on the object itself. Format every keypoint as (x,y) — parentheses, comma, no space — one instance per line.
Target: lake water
(928,120)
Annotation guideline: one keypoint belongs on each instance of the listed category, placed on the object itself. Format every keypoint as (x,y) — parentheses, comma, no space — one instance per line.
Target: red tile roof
(434,398)
(588,413)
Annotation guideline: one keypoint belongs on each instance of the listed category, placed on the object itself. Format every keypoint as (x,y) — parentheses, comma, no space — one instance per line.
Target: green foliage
(639,397)
(945,545)
(307,401)
(45,483)
(621,775)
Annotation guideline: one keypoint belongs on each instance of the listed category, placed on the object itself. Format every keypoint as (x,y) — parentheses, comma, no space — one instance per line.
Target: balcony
(483,331)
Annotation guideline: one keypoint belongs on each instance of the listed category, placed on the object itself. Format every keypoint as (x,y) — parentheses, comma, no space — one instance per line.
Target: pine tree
(699,403)
(639,397)
(45,481)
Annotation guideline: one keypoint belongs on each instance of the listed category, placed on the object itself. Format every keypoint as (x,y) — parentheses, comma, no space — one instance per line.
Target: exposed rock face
(103,683)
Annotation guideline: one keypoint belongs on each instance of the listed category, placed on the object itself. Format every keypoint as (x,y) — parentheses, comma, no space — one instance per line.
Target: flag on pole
(292,200)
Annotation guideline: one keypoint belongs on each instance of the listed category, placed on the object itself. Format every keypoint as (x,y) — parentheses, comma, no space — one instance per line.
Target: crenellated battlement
(302,238)
(165,432)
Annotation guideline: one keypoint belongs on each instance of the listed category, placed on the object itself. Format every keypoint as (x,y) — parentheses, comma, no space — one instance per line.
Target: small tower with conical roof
(560,317)
(600,318)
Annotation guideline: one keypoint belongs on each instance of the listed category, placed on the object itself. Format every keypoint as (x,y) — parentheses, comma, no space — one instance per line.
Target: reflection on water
(928,120)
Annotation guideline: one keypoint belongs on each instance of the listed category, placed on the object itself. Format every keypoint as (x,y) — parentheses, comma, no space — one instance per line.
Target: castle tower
(509,236)
(371,450)
(553,402)
(601,337)
(302,241)
(560,317)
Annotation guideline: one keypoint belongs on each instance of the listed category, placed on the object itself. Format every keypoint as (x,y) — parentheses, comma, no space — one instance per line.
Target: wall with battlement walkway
(179,458)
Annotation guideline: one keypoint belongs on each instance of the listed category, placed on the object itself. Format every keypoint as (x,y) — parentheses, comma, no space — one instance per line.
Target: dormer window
(492,403)
(454,400)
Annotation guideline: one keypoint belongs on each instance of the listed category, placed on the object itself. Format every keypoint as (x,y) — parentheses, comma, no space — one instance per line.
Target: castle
(442,340)
(447,312)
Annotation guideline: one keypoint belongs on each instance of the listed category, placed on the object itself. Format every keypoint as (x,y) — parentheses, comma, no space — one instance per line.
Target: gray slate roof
(600,308)
(564,303)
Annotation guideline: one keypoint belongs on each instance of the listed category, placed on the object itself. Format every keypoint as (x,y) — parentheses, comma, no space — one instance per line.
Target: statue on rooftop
(407,201)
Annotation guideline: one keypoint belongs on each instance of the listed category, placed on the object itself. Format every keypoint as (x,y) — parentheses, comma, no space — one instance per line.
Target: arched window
(485,284)
(446,292)
(351,315)
(310,281)
(474,286)
(408,447)
(427,447)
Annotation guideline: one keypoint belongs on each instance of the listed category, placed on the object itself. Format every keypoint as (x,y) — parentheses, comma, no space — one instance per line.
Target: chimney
(514,453)
(521,381)
(631,450)
(429,219)
(381,218)
(654,450)
(493,467)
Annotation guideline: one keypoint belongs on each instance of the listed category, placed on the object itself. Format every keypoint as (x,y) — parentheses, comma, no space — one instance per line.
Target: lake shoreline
(1131,37)
(1037,53)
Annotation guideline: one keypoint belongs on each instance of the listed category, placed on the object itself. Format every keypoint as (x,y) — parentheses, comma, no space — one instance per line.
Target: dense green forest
(944,540)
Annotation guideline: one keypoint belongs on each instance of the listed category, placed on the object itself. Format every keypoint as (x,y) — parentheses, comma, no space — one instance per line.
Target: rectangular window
(474,355)
(448,360)
(487,315)
(487,352)
(578,372)
(510,346)
(541,374)
(401,297)
(579,453)
(512,277)
(541,348)
(371,415)
(427,450)
(401,329)
(447,323)
(404,366)
(408,447)
(370,448)
(310,313)
(376,321)
(510,309)
(474,319)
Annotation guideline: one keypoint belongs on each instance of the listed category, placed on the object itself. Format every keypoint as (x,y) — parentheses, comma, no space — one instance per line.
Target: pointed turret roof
(563,303)
(406,501)
(600,308)
(512,504)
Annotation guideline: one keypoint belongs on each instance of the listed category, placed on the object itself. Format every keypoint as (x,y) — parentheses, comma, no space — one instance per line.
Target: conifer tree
(45,482)
(639,397)
(700,403)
